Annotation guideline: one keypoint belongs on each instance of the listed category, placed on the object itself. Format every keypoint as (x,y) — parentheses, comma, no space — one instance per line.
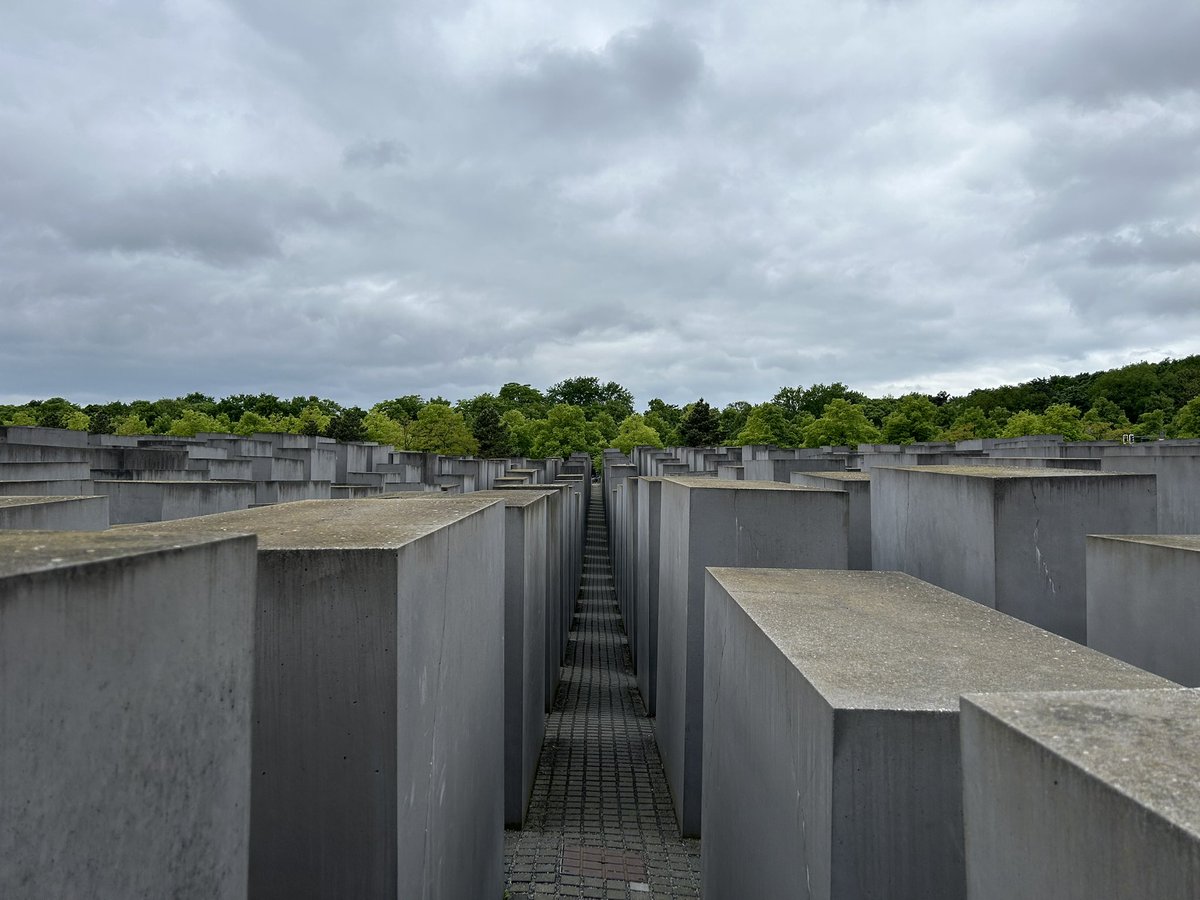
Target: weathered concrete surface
(561,534)
(131,502)
(1082,796)
(378,742)
(125,688)
(857,486)
(525,539)
(1012,539)
(89,513)
(707,522)
(1143,602)
(1177,471)
(649,505)
(831,754)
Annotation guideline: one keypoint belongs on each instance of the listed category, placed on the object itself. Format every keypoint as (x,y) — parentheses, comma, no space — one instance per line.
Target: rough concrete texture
(857,486)
(831,754)
(1177,471)
(125,704)
(379,695)
(132,502)
(89,513)
(525,537)
(646,602)
(1082,796)
(1012,539)
(1143,602)
(560,537)
(706,522)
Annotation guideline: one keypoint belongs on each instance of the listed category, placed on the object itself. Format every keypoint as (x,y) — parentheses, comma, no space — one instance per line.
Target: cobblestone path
(600,823)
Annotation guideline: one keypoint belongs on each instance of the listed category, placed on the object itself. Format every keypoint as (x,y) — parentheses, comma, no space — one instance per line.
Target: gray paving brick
(600,822)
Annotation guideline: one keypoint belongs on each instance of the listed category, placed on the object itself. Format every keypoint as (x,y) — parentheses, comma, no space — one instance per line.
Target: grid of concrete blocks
(986,696)
(924,671)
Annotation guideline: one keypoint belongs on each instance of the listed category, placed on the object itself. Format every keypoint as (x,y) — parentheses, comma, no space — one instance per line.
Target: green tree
(1130,387)
(1105,421)
(383,429)
(665,418)
(564,431)
(700,425)
(1064,419)
(401,409)
(79,421)
(23,417)
(971,423)
(492,433)
(1023,424)
(440,429)
(130,424)
(814,399)
(768,424)
(634,432)
(520,432)
(1151,424)
(592,397)
(313,420)
(733,420)
(842,424)
(192,421)
(1186,423)
(529,401)
(913,420)
(348,425)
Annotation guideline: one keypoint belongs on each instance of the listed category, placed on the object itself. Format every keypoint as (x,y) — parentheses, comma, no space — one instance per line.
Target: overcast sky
(363,199)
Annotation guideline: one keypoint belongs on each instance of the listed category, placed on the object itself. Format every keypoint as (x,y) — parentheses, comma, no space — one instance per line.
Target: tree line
(1149,400)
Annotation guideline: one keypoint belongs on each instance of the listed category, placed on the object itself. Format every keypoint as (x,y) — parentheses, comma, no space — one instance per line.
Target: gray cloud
(692,199)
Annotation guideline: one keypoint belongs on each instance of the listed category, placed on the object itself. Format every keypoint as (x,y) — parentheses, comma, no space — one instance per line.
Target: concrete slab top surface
(42,501)
(28,552)
(719,484)
(1142,743)
(332,524)
(996,472)
(1173,541)
(887,640)
(839,476)
(514,498)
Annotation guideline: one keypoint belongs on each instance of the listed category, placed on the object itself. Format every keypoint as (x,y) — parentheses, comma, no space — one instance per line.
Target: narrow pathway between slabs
(600,823)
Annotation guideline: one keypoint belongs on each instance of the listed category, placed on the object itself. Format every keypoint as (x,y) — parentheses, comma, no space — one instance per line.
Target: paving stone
(600,824)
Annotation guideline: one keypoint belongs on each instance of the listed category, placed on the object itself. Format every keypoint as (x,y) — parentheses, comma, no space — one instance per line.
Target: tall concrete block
(559,533)
(648,537)
(1011,539)
(707,522)
(1177,471)
(1082,796)
(88,513)
(525,550)
(1143,603)
(125,709)
(378,741)
(831,759)
(857,486)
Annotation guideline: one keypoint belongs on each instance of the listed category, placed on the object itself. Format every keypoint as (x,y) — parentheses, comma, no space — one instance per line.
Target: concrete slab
(125,705)
(1143,603)
(831,729)
(707,522)
(857,486)
(379,694)
(88,513)
(1082,796)
(1009,538)
(131,502)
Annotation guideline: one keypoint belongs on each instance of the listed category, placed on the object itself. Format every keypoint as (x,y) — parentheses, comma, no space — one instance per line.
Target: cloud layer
(361,200)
